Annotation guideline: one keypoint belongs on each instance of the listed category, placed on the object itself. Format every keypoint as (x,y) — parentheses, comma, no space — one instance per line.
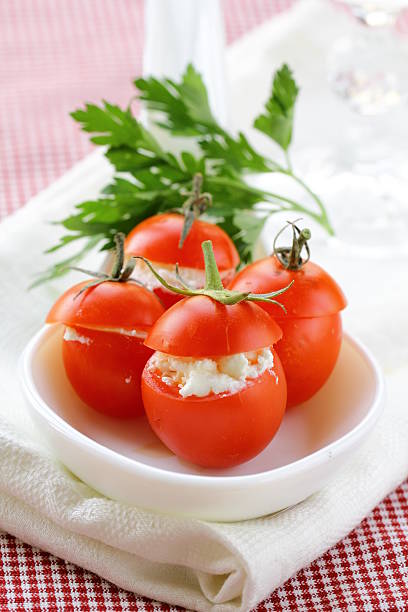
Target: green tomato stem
(119,255)
(161,280)
(194,206)
(291,257)
(214,288)
(213,280)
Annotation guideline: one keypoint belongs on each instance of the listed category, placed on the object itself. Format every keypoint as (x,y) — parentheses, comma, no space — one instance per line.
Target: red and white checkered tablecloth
(54,55)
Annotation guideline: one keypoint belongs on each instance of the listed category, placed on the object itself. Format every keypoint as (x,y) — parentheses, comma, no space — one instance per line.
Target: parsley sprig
(149,179)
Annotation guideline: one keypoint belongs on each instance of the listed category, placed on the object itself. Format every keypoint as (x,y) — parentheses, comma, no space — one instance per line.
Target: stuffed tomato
(214,391)
(158,239)
(312,328)
(168,239)
(105,325)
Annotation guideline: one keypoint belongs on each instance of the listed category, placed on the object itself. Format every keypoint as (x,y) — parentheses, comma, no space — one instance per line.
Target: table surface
(54,56)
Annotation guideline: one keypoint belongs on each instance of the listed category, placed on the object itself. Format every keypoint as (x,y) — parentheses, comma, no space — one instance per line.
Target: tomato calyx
(213,287)
(291,257)
(196,204)
(120,272)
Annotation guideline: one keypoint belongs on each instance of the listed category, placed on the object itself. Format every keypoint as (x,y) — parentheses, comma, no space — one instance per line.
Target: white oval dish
(125,461)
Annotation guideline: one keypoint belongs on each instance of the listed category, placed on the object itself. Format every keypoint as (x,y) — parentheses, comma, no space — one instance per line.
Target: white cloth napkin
(199,565)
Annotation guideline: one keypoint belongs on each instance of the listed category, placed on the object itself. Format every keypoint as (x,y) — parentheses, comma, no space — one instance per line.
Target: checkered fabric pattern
(367,571)
(55,54)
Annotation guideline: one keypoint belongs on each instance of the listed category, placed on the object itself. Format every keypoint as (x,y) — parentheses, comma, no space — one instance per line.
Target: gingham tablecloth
(54,54)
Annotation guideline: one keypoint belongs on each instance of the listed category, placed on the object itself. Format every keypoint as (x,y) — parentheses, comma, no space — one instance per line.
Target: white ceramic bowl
(125,461)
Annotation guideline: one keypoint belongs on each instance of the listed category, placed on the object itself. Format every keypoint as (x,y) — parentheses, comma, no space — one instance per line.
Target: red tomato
(105,370)
(312,330)
(219,430)
(157,238)
(104,363)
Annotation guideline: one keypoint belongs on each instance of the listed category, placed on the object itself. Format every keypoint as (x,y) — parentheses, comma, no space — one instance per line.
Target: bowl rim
(310,461)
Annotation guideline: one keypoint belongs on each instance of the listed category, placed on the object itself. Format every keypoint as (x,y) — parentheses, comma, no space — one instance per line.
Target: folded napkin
(198,565)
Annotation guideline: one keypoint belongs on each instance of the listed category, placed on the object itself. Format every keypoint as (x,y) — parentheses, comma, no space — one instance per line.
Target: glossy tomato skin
(308,351)
(312,330)
(105,369)
(157,238)
(217,431)
(108,305)
(201,327)
(314,292)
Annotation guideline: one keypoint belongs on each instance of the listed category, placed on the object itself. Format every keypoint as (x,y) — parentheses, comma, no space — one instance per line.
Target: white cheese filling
(201,377)
(135,333)
(71,335)
(191,276)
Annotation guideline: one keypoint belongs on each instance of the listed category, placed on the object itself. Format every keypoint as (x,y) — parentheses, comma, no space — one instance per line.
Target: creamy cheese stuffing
(201,377)
(71,335)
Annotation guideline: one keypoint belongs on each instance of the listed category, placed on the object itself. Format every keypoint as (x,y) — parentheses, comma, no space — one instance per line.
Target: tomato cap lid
(201,327)
(110,304)
(314,292)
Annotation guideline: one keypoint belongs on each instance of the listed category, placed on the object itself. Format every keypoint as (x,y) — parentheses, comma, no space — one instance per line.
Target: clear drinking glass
(370,69)
(179,32)
(367,186)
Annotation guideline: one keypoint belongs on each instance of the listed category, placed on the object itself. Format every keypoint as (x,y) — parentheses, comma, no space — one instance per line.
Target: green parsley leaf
(277,121)
(112,125)
(149,180)
(185,105)
(235,153)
